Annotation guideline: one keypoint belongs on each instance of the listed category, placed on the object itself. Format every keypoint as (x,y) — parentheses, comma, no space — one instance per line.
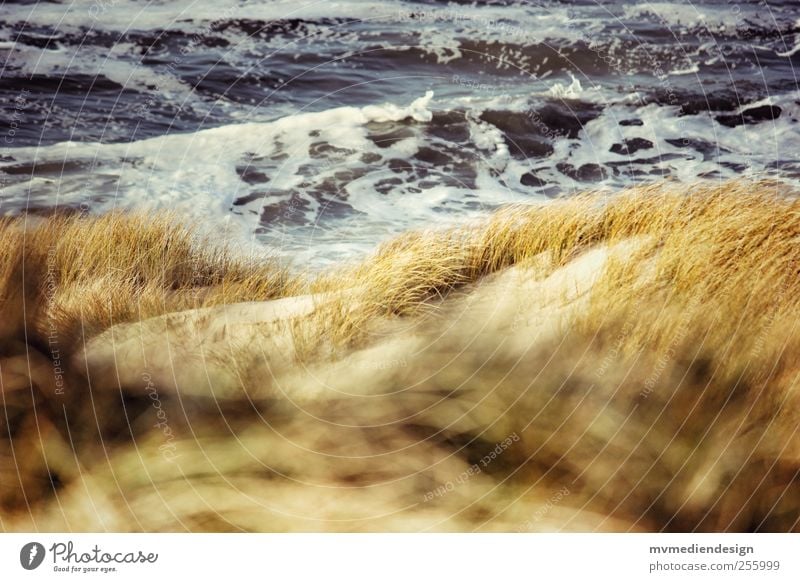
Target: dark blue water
(201,107)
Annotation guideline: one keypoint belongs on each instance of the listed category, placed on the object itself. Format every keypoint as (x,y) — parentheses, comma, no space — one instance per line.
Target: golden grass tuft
(709,240)
(81,275)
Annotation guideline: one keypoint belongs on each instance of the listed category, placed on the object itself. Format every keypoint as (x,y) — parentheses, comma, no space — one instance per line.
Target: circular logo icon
(31,555)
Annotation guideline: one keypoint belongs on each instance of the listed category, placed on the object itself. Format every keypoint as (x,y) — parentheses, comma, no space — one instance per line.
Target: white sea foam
(571,91)
(195,176)
(313,163)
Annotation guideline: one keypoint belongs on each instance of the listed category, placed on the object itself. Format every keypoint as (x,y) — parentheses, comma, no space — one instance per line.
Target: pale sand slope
(193,352)
(217,351)
(640,355)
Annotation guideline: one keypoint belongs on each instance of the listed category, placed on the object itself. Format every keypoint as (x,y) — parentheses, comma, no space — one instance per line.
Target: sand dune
(595,364)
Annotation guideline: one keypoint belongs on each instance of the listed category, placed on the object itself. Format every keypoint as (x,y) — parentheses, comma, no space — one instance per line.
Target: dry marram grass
(624,362)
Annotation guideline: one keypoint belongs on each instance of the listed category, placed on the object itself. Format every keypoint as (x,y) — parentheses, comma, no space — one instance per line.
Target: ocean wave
(298,183)
(310,128)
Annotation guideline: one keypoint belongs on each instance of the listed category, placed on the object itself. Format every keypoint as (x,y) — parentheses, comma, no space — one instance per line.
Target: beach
(377,266)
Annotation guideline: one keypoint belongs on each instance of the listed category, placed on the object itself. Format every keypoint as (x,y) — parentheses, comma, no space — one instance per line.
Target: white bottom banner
(390,557)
